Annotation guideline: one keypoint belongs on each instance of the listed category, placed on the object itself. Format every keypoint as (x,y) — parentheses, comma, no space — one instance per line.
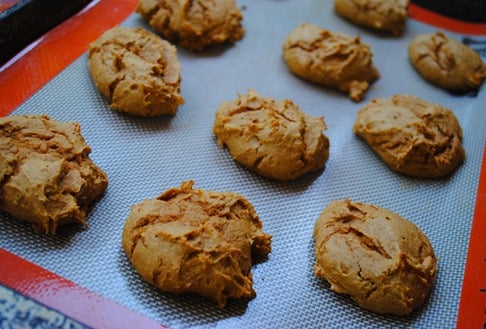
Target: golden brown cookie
(273,138)
(380,15)
(412,137)
(194,25)
(137,71)
(383,261)
(446,62)
(196,241)
(331,59)
(46,175)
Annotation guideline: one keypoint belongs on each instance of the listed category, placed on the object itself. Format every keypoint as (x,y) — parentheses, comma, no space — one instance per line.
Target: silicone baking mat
(144,157)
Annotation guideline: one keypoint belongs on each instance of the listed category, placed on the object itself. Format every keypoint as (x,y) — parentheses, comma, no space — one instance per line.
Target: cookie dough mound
(194,25)
(46,175)
(383,261)
(137,71)
(273,138)
(446,62)
(196,241)
(412,137)
(380,15)
(331,59)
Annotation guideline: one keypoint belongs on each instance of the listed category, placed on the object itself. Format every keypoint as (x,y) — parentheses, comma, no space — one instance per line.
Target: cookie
(46,175)
(330,59)
(194,25)
(137,71)
(380,15)
(446,62)
(383,261)
(196,241)
(273,138)
(412,136)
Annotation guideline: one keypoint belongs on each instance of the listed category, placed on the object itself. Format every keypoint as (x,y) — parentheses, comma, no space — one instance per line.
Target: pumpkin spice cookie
(380,15)
(273,138)
(446,62)
(196,241)
(331,59)
(382,260)
(46,175)
(412,137)
(194,25)
(137,71)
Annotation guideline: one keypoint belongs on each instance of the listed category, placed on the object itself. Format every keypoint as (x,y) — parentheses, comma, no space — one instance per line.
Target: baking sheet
(144,157)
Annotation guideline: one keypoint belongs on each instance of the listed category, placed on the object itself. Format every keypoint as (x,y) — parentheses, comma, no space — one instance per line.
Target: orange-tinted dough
(194,24)
(383,261)
(380,15)
(446,62)
(46,175)
(137,71)
(331,59)
(413,137)
(273,138)
(191,240)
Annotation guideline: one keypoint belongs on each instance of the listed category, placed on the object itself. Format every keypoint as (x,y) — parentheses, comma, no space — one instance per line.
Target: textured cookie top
(383,261)
(191,240)
(381,15)
(412,136)
(273,138)
(446,62)
(330,58)
(137,71)
(194,24)
(46,176)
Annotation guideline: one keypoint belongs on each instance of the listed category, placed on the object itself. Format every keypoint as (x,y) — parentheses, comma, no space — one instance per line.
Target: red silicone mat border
(5,4)
(67,297)
(429,17)
(21,78)
(472,307)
